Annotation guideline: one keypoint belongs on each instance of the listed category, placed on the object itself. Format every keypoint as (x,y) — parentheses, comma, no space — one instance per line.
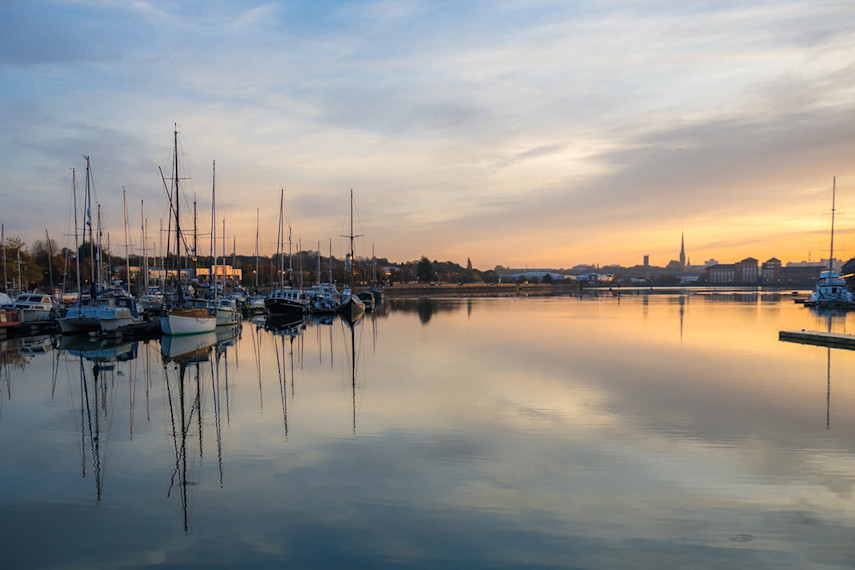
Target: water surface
(642,430)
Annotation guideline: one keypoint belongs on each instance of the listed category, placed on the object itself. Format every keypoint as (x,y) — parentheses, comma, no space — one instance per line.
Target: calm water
(660,431)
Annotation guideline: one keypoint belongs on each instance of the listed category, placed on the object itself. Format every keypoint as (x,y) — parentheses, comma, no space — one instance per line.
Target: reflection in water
(640,430)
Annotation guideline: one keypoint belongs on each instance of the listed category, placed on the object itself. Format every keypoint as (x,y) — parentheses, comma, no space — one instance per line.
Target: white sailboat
(352,307)
(227,311)
(831,291)
(181,320)
(120,311)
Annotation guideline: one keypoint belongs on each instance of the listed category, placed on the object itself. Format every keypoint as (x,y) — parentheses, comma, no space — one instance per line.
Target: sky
(520,133)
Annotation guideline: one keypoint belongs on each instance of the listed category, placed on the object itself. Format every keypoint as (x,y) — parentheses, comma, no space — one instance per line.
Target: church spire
(682,250)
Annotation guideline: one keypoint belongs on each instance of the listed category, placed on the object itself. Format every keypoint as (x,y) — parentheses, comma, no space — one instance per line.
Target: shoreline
(575,289)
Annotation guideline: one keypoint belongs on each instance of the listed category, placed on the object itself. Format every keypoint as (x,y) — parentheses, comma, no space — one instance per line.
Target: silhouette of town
(748,271)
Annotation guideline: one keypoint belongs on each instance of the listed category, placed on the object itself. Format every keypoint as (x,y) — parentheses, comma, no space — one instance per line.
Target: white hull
(187,322)
(227,317)
(78,324)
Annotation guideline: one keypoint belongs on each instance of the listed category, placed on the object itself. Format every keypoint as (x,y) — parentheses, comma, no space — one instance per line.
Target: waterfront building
(771,271)
(746,271)
(721,273)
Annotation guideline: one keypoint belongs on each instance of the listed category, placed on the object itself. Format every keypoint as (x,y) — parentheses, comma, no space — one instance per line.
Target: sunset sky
(538,133)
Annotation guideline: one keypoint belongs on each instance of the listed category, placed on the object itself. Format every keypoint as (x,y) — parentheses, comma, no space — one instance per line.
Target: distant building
(836,264)
(534,274)
(595,277)
(747,271)
(771,271)
(721,273)
(682,250)
(647,260)
(232,275)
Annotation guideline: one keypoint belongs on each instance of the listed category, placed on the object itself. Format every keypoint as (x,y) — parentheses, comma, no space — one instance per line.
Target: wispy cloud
(485,127)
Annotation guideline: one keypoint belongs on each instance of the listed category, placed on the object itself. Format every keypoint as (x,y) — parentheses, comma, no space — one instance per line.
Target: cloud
(464,120)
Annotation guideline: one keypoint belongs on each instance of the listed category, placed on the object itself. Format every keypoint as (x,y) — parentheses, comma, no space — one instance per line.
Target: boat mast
(88,209)
(257,219)
(177,220)
(351,236)
(279,239)
(290,268)
(50,262)
(144,253)
(127,254)
(213,280)
(76,245)
(833,198)
(102,268)
(3,239)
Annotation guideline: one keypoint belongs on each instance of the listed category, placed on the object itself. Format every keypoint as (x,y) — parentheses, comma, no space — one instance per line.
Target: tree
(17,257)
(424,270)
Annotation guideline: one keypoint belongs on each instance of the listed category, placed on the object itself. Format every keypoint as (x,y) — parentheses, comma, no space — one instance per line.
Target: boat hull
(227,317)
(78,324)
(188,321)
(284,307)
(353,308)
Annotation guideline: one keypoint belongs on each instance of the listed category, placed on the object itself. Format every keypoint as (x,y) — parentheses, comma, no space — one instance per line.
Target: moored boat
(831,291)
(36,307)
(181,320)
(227,312)
(285,300)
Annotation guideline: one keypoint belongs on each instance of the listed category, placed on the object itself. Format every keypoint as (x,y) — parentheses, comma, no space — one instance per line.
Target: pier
(829,339)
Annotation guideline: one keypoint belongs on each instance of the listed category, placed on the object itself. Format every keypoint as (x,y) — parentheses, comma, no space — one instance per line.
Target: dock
(829,339)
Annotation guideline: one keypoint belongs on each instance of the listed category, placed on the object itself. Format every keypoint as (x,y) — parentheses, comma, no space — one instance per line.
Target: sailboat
(83,316)
(324,298)
(181,320)
(831,291)
(119,312)
(255,303)
(285,300)
(227,311)
(352,307)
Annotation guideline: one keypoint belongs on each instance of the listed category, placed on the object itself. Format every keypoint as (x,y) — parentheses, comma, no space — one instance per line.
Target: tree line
(43,265)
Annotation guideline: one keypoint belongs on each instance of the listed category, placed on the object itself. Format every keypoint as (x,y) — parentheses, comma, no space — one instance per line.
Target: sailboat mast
(257,220)
(127,254)
(76,245)
(833,200)
(177,221)
(50,264)
(213,276)
(144,252)
(352,236)
(279,239)
(88,210)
